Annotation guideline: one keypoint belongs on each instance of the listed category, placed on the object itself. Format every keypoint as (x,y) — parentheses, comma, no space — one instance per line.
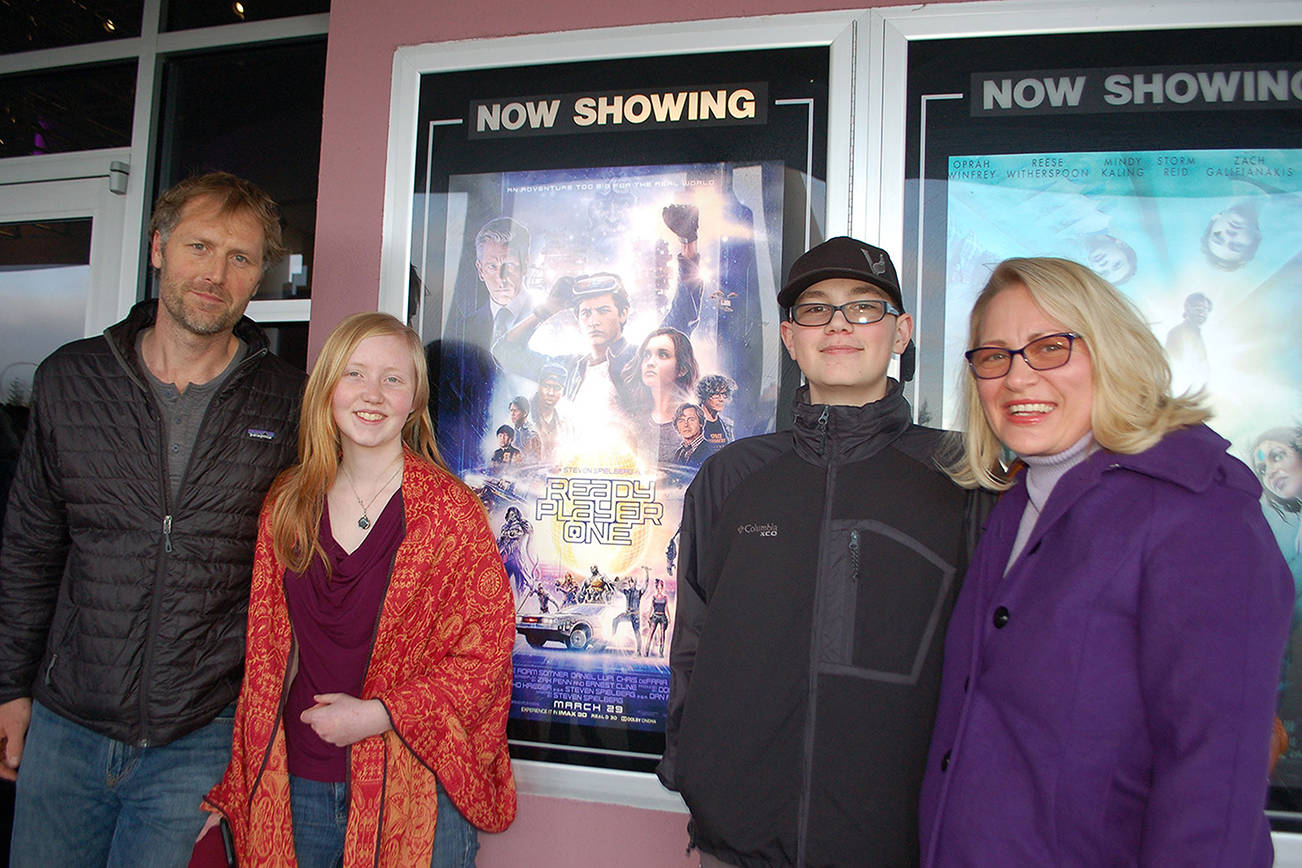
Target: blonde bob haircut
(1133,407)
(298,495)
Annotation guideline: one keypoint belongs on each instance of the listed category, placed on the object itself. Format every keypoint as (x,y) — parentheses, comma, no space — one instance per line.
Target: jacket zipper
(160,571)
(815,637)
(854,555)
(160,575)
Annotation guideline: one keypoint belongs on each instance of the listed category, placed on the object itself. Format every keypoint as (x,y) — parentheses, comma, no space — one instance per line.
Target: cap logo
(877,267)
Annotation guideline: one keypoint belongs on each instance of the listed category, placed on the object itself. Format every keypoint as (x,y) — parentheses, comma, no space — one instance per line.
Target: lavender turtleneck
(1042,474)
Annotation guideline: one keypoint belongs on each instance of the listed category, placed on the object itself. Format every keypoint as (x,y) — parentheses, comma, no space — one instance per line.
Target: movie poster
(603,333)
(1208,244)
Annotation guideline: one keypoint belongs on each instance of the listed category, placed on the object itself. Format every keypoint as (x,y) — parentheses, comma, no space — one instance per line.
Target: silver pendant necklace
(365,522)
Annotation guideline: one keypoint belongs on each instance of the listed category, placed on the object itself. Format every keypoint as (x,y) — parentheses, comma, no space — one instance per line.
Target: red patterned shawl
(441,664)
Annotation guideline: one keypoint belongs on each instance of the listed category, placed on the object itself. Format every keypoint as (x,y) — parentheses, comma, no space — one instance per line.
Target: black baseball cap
(842,257)
(857,260)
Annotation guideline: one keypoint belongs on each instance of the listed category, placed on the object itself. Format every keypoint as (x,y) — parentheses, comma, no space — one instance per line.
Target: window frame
(150,49)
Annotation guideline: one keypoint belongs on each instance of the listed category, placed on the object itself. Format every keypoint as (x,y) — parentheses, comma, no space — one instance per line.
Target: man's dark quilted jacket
(122,610)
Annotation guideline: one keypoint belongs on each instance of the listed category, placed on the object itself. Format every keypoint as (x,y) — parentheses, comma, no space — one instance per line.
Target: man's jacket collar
(122,336)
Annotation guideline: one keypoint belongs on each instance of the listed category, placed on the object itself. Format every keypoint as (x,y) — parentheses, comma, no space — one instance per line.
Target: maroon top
(334,618)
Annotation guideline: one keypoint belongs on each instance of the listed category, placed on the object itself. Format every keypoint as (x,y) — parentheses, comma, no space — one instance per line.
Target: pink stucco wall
(560,833)
(363,37)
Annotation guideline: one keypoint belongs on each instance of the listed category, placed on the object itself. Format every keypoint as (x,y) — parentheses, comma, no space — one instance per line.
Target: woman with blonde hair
(372,718)
(1111,663)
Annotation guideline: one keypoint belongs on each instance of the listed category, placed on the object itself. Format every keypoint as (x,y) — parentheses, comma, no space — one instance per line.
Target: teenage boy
(817,569)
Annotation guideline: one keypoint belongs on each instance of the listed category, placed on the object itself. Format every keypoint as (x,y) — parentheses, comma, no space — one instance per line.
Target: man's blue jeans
(85,799)
(320,817)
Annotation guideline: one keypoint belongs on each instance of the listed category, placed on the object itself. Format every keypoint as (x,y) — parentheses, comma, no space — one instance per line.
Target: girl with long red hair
(372,718)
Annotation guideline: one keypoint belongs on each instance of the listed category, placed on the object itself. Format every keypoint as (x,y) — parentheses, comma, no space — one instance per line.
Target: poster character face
(1197,307)
(550,392)
(688,424)
(503,439)
(1279,467)
(1034,412)
(659,362)
(601,320)
(501,270)
(845,363)
(716,402)
(517,415)
(1112,259)
(1233,236)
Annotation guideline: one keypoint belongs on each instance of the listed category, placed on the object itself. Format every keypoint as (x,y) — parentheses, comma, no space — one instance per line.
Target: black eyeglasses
(863,312)
(1041,354)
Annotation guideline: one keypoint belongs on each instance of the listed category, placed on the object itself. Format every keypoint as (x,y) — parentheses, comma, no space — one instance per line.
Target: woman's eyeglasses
(1041,354)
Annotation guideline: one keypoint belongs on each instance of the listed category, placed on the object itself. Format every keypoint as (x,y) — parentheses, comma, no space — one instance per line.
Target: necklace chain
(365,522)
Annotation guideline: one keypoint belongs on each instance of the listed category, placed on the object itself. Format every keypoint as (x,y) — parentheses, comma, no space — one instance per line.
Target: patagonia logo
(261,434)
(761,529)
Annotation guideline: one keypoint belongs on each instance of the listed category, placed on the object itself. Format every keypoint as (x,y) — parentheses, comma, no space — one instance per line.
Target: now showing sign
(1147,89)
(614,111)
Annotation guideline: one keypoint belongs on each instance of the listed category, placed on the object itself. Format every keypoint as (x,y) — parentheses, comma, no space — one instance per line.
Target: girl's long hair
(298,494)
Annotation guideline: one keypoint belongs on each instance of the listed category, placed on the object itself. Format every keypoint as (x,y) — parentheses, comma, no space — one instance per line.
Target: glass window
(26,25)
(270,134)
(207,13)
(44,280)
(57,111)
(289,341)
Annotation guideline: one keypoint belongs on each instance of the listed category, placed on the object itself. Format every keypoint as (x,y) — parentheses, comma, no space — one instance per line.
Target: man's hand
(558,299)
(15,715)
(682,220)
(342,720)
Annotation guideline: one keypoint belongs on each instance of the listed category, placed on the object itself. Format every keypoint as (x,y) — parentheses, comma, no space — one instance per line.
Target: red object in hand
(209,851)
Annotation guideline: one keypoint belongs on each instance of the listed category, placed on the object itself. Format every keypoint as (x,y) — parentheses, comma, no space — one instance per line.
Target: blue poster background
(1208,245)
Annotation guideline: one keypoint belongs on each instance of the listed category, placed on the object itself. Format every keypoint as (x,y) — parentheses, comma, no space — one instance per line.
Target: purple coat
(1109,701)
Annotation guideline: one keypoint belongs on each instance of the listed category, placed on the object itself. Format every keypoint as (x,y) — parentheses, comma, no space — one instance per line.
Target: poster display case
(1163,154)
(594,248)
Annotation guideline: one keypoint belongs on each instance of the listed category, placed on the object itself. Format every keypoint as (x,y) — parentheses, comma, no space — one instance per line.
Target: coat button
(1001,617)
(944,761)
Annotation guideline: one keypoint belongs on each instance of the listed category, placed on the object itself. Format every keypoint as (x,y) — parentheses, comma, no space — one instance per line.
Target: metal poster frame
(981,159)
(433,212)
